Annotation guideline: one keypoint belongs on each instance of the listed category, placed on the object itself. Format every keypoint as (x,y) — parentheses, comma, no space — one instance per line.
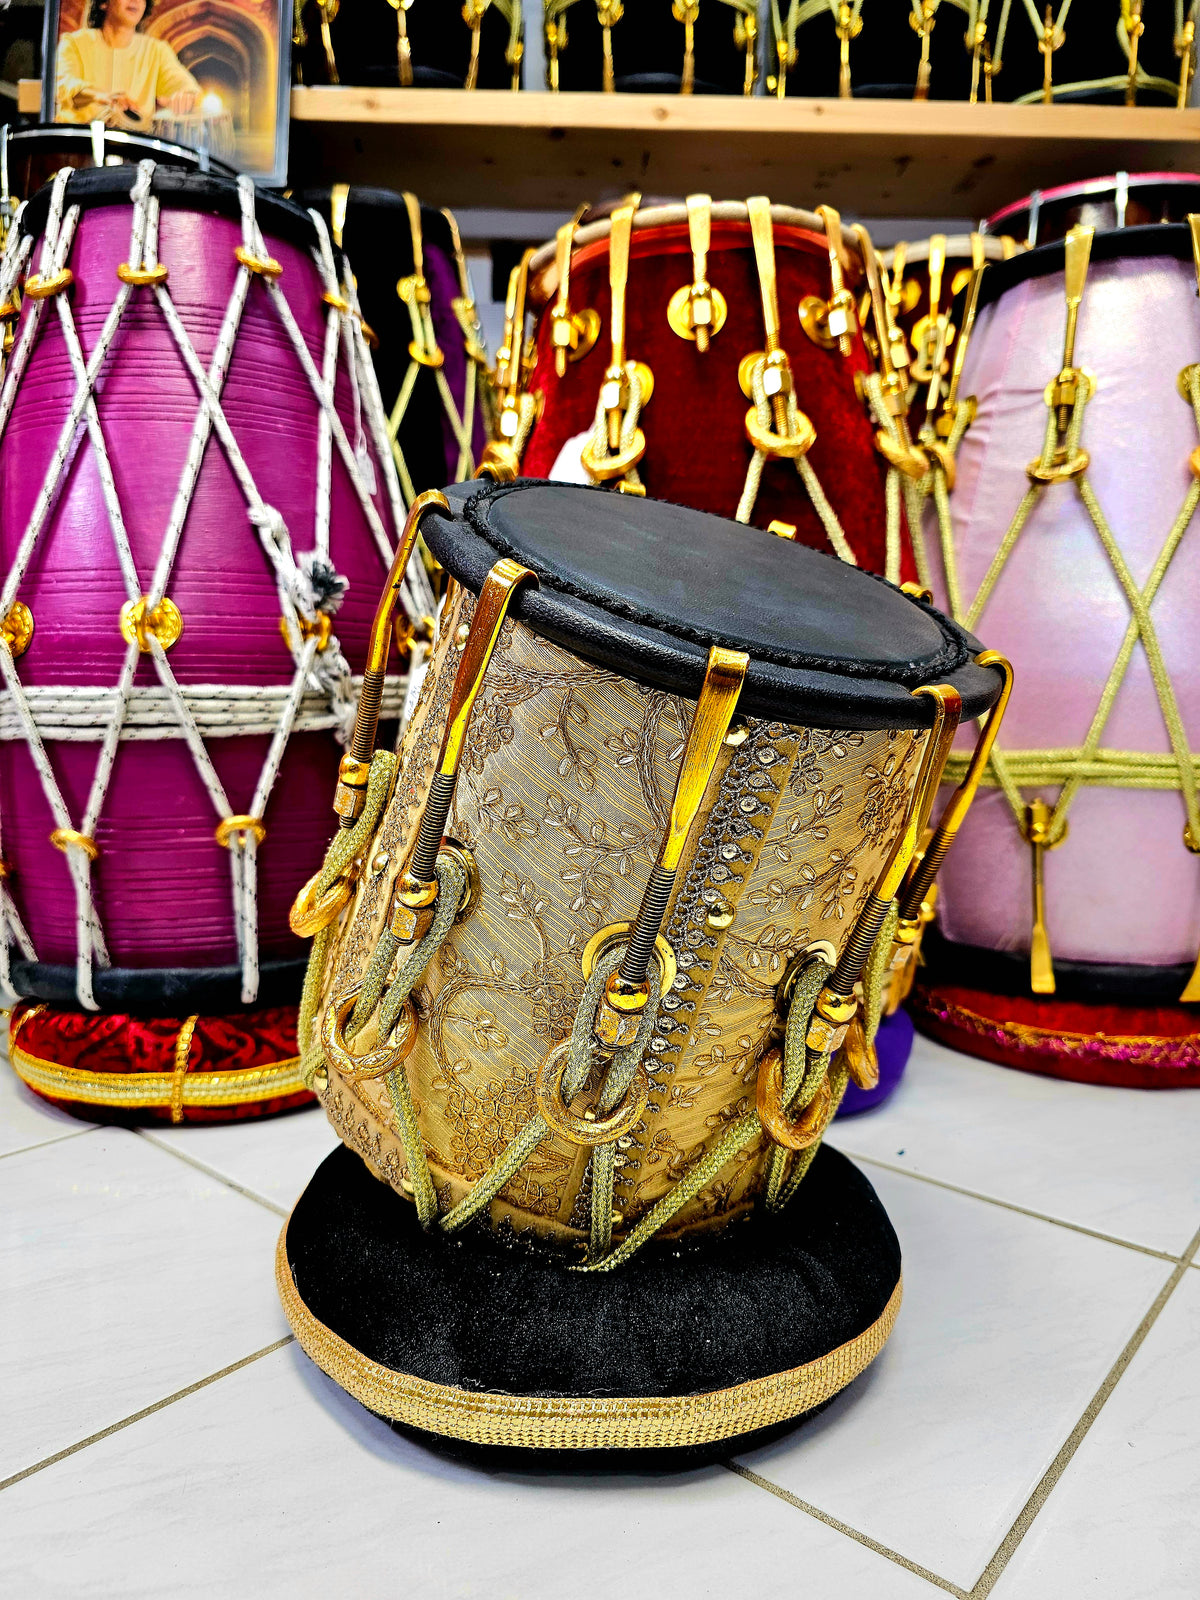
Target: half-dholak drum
(1109,52)
(592,999)
(652,46)
(423,44)
(195,493)
(710,354)
(876,49)
(1069,914)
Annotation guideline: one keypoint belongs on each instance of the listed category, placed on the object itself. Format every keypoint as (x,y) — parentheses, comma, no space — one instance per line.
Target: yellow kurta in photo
(90,71)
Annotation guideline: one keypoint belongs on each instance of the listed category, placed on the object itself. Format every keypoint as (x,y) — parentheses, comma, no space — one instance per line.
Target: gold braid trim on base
(586,1423)
(143,1090)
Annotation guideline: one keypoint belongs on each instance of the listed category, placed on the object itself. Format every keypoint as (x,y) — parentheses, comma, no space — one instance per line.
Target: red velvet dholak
(697,451)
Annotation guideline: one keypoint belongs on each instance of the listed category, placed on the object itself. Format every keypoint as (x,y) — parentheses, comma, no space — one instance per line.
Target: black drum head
(644,588)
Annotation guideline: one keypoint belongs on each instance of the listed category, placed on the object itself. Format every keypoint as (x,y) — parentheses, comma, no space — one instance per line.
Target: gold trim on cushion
(1129,1049)
(583,1423)
(142,1090)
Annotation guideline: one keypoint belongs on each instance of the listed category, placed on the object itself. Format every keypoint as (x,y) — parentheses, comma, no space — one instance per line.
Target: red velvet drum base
(160,1069)
(1133,1047)
(630,292)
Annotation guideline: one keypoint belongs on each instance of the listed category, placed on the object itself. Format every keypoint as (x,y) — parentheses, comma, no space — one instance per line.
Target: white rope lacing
(322,690)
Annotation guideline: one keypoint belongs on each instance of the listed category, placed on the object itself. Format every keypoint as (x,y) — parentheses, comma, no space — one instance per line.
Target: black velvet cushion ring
(484,1314)
(644,588)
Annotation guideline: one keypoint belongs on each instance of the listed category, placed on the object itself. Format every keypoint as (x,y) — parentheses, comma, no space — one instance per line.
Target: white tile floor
(1032,1429)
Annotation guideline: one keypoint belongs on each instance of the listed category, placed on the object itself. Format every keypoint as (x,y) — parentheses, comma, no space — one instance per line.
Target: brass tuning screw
(417,889)
(697,310)
(837,1003)
(628,991)
(1039,820)
(356,765)
(573,334)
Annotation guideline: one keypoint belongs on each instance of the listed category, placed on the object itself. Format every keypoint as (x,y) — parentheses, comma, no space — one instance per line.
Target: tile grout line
(59,1138)
(147,1411)
(211,1172)
(1024,1211)
(1062,1460)
(842,1527)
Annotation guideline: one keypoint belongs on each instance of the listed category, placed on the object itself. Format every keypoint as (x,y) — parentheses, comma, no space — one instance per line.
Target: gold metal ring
(17,629)
(469,898)
(791,446)
(164,623)
(819,950)
(264,266)
(376,1063)
(909,459)
(426,358)
(241,823)
(607,467)
(587,1130)
(319,628)
(39,288)
(310,912)
(768,1100)
(618,933)
(63,838)
(858,1055)
(142,277)
(1059,471)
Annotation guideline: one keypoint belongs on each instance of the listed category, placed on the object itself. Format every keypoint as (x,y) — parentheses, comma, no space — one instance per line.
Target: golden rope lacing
(1063,459)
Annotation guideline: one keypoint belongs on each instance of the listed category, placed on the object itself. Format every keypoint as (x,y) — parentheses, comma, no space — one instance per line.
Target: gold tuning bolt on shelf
(924,22)
(328,10)
(417,888)
(1052,38)
(628,991)
(686,12)
(472,13)
(847,26)
(610,13)
(403,42)
(1131,16)
(1185,49)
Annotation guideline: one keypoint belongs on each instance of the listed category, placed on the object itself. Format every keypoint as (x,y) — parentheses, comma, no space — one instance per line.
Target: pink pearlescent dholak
(162,883)
(1122,888)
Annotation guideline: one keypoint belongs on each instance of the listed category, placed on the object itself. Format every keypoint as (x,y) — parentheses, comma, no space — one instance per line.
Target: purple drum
(1069,909)
(197,508)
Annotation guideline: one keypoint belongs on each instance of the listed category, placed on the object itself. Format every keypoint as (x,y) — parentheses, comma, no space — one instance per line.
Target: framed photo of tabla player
(212,74)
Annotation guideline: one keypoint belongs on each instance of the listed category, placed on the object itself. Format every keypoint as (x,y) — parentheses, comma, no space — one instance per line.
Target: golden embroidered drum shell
(563,799)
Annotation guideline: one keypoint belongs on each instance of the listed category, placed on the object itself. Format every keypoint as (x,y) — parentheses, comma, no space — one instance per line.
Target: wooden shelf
(873,157)
(938,158)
